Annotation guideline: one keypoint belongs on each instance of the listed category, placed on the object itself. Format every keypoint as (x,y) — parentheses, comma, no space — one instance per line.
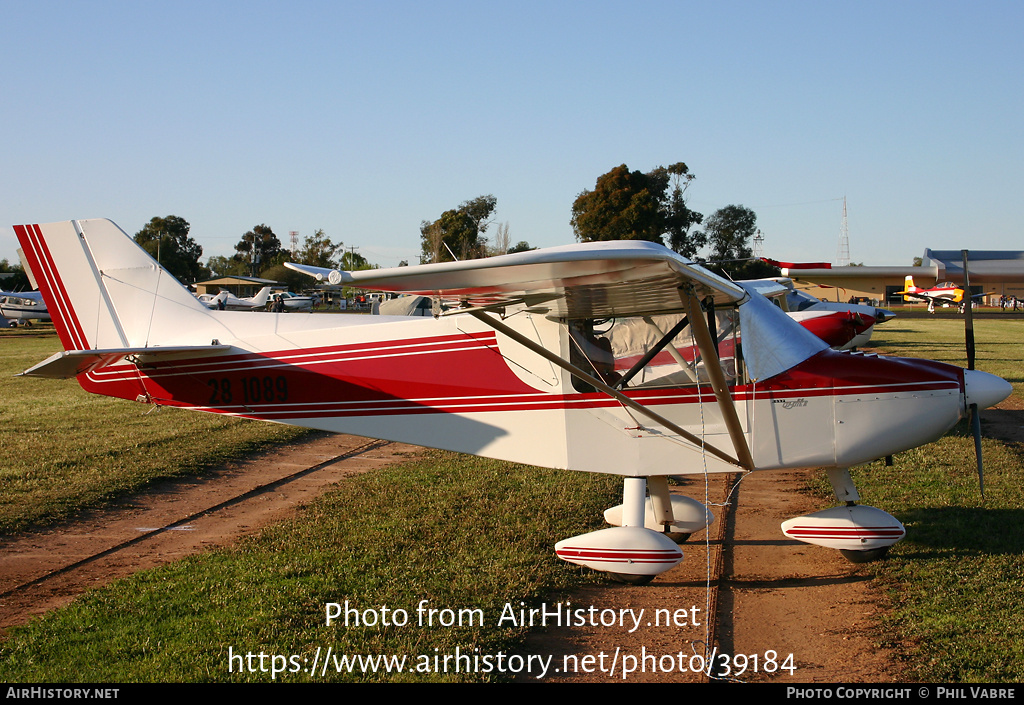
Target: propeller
(976,432)
(969,342)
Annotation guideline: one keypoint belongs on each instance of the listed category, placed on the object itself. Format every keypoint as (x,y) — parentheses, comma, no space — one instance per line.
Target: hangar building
(1000,272)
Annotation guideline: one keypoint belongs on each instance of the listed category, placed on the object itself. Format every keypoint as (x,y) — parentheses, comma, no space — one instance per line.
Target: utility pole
(758,245)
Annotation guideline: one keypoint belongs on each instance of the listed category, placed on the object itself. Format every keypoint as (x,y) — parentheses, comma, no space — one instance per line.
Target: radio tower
(843,255)
(294,234)
(758,245)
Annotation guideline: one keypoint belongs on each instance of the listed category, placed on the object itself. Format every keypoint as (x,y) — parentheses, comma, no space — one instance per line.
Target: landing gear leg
(634,509)
(634,500)
(842,485)
(661,507)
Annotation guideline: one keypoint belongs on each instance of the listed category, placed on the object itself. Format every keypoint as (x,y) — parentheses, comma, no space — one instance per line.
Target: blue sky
(366,118)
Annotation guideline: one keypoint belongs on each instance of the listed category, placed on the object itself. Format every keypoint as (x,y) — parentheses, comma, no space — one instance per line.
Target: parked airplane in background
(225,300)
(944,293)
(842,330)
(842,326)
(23,306)
(293,302)
(551,357)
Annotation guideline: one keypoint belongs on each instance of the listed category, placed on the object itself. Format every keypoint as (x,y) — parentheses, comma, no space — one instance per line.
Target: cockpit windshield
(661,351)
(800,300)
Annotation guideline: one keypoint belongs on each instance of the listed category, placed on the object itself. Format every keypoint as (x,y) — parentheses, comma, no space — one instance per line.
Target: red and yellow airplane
(944,293)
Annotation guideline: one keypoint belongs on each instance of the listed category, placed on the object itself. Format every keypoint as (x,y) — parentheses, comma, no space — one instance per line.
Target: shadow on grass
(966,530)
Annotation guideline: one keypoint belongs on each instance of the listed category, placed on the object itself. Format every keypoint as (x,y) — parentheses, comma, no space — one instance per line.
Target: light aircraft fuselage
(620,358)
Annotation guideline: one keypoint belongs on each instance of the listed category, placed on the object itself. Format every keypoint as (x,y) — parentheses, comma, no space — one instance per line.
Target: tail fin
(908,286)
(104,291)
(262,296)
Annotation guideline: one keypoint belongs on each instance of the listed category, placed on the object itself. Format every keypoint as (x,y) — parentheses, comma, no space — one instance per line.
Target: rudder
(103,290)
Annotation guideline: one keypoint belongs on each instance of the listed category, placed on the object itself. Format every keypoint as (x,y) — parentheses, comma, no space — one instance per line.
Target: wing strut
(713,367)
(616,394)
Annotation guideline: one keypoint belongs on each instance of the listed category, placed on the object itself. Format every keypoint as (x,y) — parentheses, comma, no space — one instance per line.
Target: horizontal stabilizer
(72,363)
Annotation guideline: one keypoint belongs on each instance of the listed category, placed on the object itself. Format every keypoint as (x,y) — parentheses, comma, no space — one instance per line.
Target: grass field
(955,583)
(64,449)
(468,533)
(460,532)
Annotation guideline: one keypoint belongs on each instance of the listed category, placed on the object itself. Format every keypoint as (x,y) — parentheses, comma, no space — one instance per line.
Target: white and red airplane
(225,300)
(552,357)
(842,326)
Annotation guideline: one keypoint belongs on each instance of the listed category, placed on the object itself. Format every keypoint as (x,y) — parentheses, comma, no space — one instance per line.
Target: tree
(18,281)
(167,241)
(318,250)
(352,261)
(679,219)
(521,246)
(294,281)
(221,266)
(479,210)
(458,232)
(502,240)
(631,205)
(730,231)
(266,252)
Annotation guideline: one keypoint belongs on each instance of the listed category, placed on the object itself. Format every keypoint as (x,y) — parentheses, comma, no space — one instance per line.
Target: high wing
(590,280)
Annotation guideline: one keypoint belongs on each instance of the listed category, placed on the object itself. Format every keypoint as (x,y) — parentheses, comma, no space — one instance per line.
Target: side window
(590,349)
(652,351)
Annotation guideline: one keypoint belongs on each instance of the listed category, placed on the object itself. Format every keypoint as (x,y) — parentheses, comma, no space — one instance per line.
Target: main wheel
(875,554)
(631,579)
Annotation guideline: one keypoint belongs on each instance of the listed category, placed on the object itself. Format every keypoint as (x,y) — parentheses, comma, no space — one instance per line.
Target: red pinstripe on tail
(58,303)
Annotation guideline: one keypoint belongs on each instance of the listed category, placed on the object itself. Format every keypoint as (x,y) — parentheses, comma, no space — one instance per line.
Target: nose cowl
(984,389)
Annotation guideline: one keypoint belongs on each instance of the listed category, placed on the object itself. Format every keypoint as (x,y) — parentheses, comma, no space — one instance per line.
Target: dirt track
(780,596)
(33,555)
